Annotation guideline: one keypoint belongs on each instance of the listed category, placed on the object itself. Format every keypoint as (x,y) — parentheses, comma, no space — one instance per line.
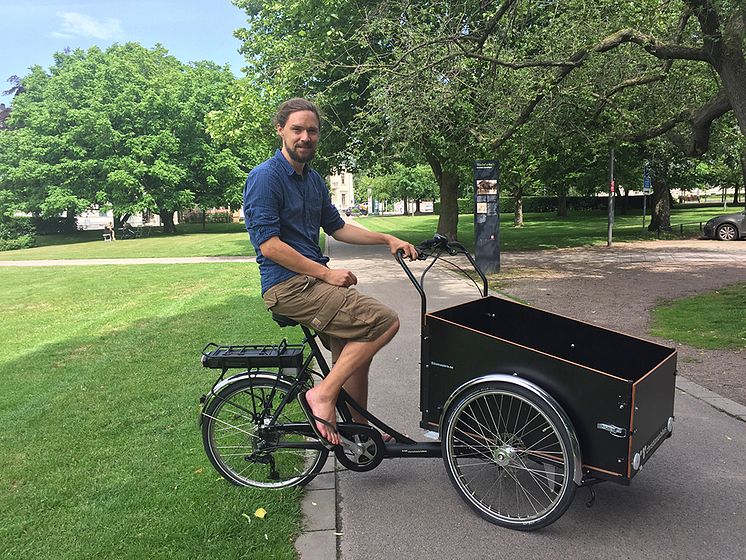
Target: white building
(342,189)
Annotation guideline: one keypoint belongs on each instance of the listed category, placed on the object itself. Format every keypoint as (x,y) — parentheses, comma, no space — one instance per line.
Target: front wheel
(727,232)
(509,455)
(247,447)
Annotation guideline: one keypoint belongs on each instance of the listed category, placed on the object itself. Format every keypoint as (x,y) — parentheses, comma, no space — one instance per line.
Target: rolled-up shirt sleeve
(261,207)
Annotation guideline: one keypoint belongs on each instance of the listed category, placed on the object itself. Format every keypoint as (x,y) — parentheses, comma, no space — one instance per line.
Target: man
(285,205)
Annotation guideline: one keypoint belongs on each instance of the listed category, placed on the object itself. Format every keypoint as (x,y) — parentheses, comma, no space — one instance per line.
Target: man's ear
(278,129)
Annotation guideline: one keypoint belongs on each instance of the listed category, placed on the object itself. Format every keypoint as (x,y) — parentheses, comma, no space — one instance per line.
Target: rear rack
(248,356)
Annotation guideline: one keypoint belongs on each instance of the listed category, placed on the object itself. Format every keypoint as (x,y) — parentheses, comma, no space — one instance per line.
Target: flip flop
(312,419)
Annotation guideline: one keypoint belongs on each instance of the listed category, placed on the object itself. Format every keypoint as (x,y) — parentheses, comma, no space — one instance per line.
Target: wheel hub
(504,455)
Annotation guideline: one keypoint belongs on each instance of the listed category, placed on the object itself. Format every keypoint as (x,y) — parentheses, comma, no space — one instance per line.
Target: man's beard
(301,158)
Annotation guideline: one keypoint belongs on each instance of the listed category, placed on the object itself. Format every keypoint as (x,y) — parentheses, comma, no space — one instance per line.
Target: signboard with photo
(487,215)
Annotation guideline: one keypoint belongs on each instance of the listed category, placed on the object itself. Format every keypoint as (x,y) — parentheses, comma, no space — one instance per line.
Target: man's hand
(395,244)
(340,277)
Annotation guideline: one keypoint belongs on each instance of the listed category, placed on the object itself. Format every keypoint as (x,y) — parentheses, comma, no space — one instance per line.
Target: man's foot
(324,415)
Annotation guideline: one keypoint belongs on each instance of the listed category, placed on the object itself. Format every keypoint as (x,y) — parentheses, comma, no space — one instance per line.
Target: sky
(33,30)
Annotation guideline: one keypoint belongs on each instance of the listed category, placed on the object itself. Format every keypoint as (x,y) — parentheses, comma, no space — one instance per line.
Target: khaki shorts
(342,313)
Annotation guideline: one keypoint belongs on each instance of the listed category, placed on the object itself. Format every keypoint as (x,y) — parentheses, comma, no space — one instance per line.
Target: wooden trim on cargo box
(590,467)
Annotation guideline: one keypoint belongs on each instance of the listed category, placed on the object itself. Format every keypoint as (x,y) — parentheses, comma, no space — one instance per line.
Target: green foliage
(15,232)
(210,217)
(447,83)
(18,242)
(401,183)
(123,128)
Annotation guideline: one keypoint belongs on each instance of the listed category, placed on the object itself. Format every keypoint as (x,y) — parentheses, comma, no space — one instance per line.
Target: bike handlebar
(435,247)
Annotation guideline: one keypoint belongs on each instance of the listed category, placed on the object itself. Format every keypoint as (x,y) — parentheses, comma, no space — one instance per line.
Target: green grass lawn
(544,230)
(99,386)
(712,320)
(191,241)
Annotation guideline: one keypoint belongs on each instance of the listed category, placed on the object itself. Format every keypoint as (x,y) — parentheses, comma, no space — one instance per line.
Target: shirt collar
(289,169)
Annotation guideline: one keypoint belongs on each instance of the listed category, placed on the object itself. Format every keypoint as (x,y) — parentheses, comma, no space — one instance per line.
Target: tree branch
(648,42)
(700,120)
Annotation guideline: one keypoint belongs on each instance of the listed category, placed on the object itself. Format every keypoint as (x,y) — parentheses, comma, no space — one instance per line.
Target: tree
(452,82)
(122,128)
(400,183)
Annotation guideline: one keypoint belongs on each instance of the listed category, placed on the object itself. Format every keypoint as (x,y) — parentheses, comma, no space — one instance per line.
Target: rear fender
(264,375)
(540,394)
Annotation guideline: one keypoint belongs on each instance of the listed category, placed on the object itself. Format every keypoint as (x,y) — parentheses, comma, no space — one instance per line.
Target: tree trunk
(448,182)
(518,212)
(70,221)
(729,62)
(167,221)
(743,176)
(562,206)
(660,207)
(448,219)
(406,206)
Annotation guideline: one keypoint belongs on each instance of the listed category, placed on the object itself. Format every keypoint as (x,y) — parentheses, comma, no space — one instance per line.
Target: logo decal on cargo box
(655,441)
(438,364)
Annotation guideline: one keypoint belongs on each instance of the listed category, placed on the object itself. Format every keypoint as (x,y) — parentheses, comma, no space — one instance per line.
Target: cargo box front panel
(590,371)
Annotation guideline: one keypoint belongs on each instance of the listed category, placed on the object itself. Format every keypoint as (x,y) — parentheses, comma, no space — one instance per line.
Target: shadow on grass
(88,236)
(102,454)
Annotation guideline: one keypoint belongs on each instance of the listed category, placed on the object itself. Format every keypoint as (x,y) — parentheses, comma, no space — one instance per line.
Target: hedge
(16,233)
(549,203)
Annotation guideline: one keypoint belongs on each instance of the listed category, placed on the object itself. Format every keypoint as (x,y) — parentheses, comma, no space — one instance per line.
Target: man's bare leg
(354,356)
(357,385)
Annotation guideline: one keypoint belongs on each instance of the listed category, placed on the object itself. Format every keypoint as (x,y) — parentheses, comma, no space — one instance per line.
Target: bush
(211,217)
(20,242)
(534,204)
(16,233)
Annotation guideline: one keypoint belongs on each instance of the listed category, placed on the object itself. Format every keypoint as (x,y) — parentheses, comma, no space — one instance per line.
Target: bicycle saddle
(284,321)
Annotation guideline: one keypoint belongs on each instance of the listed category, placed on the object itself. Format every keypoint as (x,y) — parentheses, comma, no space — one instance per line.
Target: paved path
(690,501)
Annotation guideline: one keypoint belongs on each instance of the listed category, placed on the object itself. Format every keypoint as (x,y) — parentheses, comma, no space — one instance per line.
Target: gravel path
(616,288)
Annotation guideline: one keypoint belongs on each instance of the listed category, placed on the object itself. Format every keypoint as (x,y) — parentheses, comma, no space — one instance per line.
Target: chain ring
(368,451)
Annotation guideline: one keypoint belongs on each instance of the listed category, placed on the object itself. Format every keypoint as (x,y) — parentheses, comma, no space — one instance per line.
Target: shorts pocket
(270,299)
(330,303)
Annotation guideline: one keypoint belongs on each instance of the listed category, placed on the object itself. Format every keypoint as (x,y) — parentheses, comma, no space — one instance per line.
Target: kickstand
(592,499)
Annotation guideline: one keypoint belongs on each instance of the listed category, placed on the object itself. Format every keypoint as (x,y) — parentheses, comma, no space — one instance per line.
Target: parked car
(727,227)
(359,210)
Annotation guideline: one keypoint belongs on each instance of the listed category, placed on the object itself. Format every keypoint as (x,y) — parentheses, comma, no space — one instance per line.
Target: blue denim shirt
(277,201)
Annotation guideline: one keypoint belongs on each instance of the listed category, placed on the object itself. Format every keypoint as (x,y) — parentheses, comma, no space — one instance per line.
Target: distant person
(110,230)
(286,203)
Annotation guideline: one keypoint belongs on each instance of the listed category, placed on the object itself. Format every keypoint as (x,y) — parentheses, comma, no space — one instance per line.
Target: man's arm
(359,236)
(283,254)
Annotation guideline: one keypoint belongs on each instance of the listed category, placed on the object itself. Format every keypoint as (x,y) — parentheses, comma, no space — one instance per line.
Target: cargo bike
(527,405)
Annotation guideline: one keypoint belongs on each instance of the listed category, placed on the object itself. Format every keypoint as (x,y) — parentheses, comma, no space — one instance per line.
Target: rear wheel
(246,450)
(727,232)
(509,456)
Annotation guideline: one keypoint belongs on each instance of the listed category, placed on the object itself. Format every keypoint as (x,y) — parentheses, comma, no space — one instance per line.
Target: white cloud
(81,25)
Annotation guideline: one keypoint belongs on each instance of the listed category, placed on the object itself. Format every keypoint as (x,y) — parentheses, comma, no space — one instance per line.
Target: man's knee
(392,325)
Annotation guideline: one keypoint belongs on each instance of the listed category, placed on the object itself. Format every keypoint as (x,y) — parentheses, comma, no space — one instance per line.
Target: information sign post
(646,184)
(487,215)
